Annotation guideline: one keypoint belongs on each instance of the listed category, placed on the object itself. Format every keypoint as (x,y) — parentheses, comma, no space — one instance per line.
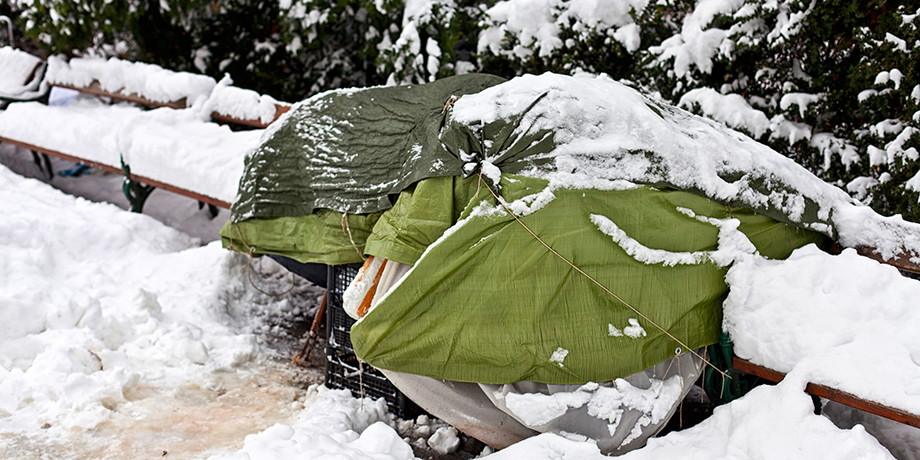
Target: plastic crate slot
(342,368)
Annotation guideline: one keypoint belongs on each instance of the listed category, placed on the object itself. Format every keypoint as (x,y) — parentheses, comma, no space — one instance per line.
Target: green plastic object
(134,191)
(720,380)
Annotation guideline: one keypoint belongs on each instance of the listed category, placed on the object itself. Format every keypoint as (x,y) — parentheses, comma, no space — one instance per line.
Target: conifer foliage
(832,84)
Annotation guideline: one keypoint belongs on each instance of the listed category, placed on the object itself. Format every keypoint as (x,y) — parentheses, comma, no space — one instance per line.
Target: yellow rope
(250,250)
(346,229)
(608,291)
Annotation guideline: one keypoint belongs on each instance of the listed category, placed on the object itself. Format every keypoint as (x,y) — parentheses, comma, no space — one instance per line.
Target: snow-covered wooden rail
(108,168)
(221,114)
(832,394)
(177,146)
(153,86)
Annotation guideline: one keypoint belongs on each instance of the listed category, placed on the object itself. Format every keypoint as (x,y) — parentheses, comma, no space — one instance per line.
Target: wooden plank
(831,394)
(95,89)
(901,261)
(116,170)
(280,109)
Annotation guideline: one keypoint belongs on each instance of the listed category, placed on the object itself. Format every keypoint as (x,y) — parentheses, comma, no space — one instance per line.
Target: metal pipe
(9,28)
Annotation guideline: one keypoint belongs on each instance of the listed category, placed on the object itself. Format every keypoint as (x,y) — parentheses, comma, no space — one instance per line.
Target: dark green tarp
(349,151)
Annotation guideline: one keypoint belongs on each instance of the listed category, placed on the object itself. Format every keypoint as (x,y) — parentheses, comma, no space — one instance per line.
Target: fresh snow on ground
(113,318)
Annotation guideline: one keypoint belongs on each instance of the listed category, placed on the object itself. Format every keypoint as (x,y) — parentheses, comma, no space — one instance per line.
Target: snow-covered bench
(840,327)
(176,147)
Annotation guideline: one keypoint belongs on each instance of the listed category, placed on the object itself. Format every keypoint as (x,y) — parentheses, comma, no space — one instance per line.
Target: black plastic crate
(342,367)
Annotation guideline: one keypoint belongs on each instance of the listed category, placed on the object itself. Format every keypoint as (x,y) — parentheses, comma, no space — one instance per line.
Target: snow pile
(170,146)
(149,81)
(239,103)
(606,132)
(903,441)
(157,84)
(334,424)
(97,303)
(844,321)
(769,423)
(17,71)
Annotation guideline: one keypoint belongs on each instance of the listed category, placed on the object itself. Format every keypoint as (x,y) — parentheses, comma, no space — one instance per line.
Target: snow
(695,44)
(147,80)
(634,330)
(730,109)
(538,24)
(112,319)
(603,402)
(558,356)
(844,321)
(239,103)
(800,100)
(334,425)
(109,316)
(444,440)
(769,423)
(16,72)
(181,148)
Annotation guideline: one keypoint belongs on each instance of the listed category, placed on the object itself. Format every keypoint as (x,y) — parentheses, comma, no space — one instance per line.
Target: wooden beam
(95,89)
(116,170)
(831,394)
(901,261)
(280,109)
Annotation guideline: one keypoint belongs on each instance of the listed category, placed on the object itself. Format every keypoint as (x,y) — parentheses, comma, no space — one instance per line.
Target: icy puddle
(191,421)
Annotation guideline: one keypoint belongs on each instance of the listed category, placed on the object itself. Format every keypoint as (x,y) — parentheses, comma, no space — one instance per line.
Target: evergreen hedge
(832,84)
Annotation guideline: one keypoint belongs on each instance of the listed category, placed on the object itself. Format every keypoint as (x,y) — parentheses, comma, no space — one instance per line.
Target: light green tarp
(488,303)
(492,305)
